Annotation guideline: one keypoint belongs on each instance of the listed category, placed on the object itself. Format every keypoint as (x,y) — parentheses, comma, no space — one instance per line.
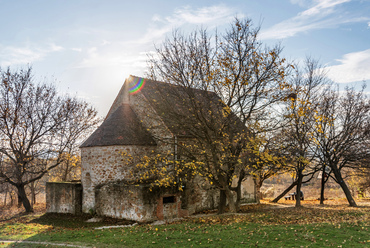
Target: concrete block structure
(64,197)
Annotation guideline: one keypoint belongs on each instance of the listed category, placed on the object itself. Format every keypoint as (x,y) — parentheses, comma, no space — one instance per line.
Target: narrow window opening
(169,199)
(87,180)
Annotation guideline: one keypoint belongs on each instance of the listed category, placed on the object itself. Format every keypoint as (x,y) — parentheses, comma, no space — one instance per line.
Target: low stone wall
(199,195)
(64,197)
(140,203)
(137,203)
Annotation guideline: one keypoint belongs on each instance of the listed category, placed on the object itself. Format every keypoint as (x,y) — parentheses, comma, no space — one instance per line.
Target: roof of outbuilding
(121,127)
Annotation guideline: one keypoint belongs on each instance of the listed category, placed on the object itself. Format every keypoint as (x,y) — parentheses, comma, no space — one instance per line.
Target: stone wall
(138,203)
(63,197)
(199,195)
(102,165)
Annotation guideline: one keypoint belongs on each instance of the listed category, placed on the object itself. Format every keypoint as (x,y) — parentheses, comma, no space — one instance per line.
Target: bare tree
(8,194)
(69,169)
(306,86)
(343,132)
(247,77)
(36,127)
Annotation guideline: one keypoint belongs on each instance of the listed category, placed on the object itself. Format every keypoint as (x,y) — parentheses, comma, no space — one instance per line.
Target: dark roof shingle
(182,108)
(121,127)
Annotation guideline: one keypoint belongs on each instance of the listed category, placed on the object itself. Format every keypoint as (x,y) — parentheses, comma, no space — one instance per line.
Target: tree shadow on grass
(64,230)
(71,221)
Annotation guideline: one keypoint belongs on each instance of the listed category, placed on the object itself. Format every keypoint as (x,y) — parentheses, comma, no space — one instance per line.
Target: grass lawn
(257,226)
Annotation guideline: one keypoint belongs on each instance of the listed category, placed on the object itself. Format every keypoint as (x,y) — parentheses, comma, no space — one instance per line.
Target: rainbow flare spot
(136,85)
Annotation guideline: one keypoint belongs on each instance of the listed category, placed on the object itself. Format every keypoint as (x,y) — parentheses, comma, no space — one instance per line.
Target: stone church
(136,125)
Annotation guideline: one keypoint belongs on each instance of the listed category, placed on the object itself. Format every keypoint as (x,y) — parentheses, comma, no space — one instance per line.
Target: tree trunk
(258,190)
(259,186)
(34,198)
(222,204)
(23,197)
(239,190)
(223,195)
(298,189)
(322,191)
(12,200)
(285,191)
(19,201)
(6,194)
(344,187)
(65,174)
(238,196)
(33,193)
(230,200)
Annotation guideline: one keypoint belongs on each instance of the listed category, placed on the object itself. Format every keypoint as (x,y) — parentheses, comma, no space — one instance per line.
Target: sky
(88,48)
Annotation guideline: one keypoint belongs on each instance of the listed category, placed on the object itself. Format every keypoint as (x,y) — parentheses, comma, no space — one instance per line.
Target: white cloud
(212,15)
(353,67)
(368,25)
(13,55)
(132,55)
(100,56)
(156,18)
(105,42)
(203,15)
(76,49)
(302,3)
(53,48)
(322,7)
(323,14)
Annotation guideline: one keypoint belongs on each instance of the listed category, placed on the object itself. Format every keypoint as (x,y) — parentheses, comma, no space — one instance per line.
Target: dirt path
(41,243)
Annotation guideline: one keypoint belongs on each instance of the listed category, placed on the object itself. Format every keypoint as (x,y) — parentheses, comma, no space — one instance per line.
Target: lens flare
(136,85)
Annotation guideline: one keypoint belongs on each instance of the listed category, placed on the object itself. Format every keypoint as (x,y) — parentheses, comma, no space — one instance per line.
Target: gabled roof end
(123,96)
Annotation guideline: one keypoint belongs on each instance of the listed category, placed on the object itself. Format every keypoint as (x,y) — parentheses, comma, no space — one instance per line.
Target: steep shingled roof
(121,127)
(171,102)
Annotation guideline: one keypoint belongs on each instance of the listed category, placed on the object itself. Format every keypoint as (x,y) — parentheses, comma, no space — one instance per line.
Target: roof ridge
(174,85)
